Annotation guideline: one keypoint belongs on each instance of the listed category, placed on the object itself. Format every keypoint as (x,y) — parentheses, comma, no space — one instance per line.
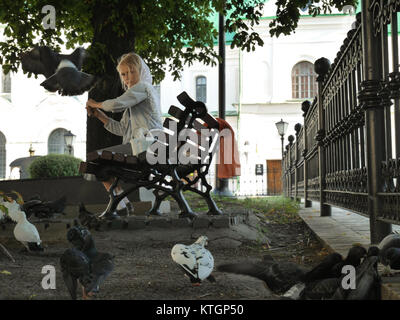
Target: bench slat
(93,156)
(119,157)
(175,112)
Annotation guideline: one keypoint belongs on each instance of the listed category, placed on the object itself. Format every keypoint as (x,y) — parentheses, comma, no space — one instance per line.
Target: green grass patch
(278,209)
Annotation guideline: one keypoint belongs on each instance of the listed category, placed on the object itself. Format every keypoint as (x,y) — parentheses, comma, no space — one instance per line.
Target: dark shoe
(109,216)
(130,208)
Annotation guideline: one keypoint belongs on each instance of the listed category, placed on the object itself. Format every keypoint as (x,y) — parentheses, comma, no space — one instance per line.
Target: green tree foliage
(165,32)
(288,12)
(54,165)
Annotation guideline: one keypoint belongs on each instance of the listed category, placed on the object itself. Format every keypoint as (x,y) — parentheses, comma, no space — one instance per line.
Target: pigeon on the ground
(62,71)
(25,232)
(331,266)
(389,251)
(75,267)
(322,289)
(368,281)
(101,264)
(325,269)
(195,260)
(279,277)
(43,209)
(87,218)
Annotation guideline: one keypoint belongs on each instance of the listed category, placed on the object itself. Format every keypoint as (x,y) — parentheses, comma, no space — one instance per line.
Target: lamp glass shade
(282,127)
(69,138)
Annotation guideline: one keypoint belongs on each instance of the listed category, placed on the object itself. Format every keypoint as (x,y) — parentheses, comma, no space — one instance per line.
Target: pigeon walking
(25,232)
(195,260)
(75,268)
(101,264)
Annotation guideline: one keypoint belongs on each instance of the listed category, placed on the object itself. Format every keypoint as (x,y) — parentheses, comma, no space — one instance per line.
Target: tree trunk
(109,86)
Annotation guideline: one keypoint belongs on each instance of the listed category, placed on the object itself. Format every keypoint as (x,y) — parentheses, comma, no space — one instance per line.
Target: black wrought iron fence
(347,152)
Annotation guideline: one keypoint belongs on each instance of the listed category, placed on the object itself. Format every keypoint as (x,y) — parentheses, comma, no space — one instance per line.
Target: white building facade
(262,87)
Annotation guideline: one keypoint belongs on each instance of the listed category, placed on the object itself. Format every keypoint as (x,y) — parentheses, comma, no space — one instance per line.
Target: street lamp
(69,140)
(282,127)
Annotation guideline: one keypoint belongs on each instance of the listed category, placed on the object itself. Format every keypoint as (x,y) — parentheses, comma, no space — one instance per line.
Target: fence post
(374,119)
(286,153)
(304,107)
(297,128)
(321,67)
(290,139)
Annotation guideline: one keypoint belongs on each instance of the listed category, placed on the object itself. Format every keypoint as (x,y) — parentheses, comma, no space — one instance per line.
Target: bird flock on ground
(327,280)
(83,265)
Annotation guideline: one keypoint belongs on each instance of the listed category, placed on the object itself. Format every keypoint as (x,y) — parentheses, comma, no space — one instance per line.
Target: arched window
(304,84)
(201,89)
(2,156)
(56,142)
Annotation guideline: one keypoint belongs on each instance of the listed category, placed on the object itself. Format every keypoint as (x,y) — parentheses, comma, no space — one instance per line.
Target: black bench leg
(212,206)
(157,203)
(186,211)
(109,213)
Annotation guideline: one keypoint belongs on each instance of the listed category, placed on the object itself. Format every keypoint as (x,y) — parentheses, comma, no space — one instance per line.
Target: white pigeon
(196,261)
(25,232)
(13,207)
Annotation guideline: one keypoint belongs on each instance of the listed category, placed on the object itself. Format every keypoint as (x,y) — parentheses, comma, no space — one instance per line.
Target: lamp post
(69,141)
(31,151)
(282,127)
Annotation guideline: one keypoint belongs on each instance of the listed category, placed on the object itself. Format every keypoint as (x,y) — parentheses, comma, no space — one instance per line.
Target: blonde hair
(131,60)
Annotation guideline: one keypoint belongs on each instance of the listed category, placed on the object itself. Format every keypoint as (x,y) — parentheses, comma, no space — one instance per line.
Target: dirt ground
(144,269)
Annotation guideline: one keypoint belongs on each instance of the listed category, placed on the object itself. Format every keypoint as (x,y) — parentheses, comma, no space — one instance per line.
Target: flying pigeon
(75,267)
(195,260)
(279,277)
(62,71)
(25,232)
(101,264)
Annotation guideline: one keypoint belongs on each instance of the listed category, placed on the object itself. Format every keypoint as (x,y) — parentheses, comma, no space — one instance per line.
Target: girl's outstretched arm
(93,104)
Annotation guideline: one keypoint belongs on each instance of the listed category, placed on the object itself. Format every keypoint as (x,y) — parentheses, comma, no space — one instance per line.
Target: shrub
(54,165)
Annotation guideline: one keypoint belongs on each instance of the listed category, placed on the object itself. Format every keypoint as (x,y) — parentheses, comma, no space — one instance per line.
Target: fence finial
(321,67)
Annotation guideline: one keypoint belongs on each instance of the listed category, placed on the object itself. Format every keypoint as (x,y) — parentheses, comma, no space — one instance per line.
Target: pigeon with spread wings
(62,71)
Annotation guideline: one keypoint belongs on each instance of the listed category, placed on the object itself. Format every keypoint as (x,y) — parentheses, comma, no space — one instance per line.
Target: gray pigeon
(101,264)
(62,71)
(75,267)
(389,252)
(279,277)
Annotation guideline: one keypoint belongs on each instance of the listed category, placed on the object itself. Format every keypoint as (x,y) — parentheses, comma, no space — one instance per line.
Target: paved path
(343,229)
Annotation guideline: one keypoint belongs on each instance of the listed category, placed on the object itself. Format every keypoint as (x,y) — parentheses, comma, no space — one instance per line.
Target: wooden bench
(169,178)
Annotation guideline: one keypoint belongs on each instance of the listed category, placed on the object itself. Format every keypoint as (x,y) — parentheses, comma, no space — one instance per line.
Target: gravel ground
(144,269)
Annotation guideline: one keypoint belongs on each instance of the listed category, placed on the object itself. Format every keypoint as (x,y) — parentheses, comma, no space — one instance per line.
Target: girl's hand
(93,104)
(91,111)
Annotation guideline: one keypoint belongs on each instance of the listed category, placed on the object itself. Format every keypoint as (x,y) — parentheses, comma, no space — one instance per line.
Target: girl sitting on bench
(140,106)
